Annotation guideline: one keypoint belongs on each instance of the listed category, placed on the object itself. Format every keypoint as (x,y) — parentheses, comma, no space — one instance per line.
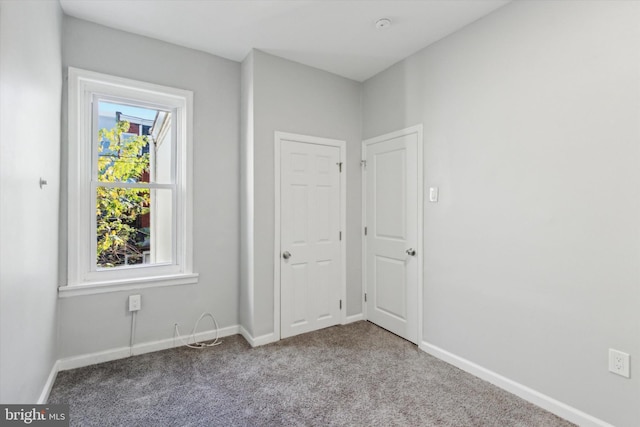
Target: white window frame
(82,276)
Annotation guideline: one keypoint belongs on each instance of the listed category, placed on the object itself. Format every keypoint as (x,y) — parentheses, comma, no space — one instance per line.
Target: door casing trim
(342,145)
(418,130)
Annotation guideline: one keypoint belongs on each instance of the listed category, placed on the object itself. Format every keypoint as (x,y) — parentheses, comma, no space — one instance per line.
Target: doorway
(309,262)
(392,245)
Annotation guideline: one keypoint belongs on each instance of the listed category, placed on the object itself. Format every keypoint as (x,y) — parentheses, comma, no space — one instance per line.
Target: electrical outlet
(619,363)
(135,302)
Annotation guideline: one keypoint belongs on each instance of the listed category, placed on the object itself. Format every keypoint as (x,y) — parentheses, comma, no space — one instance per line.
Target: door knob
(286,255)
(411,252)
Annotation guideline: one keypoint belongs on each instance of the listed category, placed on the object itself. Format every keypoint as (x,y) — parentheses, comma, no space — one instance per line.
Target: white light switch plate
(433,194)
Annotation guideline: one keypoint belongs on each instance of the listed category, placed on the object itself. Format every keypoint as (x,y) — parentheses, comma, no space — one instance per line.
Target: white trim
(164,344)
(418,130)
(142,348)
(353,318)
(277,142)
(363,224)
(83,85)
(93,358)
(276,240)
(48,385)
(258,341)
(548,403)
(127,285)
(343,227)
(151,186)
(421,162)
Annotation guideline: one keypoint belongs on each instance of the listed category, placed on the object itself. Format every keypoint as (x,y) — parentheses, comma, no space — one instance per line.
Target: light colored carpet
(354,375)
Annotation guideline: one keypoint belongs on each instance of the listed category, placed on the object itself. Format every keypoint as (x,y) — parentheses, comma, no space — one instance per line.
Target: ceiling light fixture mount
(383,23)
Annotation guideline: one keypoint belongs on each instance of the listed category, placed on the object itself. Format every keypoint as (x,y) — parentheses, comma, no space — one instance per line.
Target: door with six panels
(310,249)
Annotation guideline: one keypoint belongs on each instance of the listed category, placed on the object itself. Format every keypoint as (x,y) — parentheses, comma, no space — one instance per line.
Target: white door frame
(285,136)
(417,129)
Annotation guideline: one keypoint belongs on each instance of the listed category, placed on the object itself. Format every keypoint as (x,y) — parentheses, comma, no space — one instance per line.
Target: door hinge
(363,163)
(365,297)
(340,304)
(340,235)
(365,230)
(339,166)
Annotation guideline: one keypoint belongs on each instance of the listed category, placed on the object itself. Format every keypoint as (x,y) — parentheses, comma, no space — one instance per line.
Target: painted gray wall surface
(30,87)
(99,322)
(531,130)
(291,97)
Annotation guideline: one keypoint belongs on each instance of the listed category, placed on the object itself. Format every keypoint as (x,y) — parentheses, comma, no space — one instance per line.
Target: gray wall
(99,322)
(30,87)
(531,120)
(291,97)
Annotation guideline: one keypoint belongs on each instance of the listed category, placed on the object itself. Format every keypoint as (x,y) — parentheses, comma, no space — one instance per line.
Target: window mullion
(175,121)
(177,246)
(149,185)
(94,140)
(93,266)
(93,170)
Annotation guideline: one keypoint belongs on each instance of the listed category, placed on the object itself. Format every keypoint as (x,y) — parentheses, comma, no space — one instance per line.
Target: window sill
(93,288)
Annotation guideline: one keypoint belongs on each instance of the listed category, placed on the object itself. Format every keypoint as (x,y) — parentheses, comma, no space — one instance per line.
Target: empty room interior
(321,212)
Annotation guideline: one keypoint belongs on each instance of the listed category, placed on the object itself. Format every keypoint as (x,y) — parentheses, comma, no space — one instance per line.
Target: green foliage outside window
(121,158)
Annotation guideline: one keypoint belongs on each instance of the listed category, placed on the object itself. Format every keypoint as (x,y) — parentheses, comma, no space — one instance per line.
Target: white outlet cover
(135,302)
(619,363)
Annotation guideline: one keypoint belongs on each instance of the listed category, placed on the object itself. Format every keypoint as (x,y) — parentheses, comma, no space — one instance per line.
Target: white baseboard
(83,360)
(354,318)
(142,348)
(44,396)
(152,346)
(550,404)
(257,341)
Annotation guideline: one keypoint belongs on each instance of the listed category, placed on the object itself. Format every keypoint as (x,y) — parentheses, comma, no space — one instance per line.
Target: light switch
(433,194)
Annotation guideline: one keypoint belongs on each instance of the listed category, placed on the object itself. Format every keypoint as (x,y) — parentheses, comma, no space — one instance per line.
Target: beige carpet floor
(353,375)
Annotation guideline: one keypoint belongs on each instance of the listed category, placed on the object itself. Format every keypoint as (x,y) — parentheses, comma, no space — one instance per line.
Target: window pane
(134,226)
(134,144)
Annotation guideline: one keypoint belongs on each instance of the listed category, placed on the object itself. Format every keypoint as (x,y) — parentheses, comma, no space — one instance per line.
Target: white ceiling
(334,35)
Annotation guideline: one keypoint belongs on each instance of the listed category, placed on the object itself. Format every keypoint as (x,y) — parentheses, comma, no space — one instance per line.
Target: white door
(310,262)
(392,239)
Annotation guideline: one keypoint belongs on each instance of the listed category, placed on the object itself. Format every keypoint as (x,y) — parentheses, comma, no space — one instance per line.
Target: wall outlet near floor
(135,302)
(619,363)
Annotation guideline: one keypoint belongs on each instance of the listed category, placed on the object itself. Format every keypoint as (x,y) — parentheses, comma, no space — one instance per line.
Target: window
(129,184)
